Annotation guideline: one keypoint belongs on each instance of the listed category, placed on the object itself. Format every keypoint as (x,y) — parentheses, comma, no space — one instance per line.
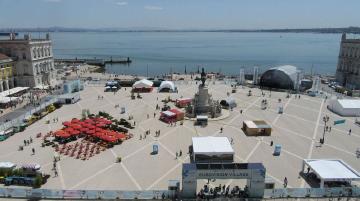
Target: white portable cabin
(345,107)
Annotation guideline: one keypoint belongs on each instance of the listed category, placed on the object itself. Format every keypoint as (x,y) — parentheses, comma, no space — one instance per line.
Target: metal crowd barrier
(84,194)
(312,192)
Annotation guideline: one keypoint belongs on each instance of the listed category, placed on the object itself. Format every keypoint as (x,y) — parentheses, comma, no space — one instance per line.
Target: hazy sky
(240,14)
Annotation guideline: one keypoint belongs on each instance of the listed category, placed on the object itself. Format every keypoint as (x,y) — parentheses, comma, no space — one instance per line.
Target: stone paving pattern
(298,130)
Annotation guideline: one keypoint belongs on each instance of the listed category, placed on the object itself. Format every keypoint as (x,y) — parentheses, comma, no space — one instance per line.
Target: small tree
(38,181)
(118,159)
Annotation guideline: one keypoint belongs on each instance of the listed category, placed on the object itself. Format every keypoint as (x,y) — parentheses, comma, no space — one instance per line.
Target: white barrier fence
(20,119)
(285,193)
(312,192)
(83,194)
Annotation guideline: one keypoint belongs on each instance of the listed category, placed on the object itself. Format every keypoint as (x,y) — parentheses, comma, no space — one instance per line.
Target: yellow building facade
(6,73)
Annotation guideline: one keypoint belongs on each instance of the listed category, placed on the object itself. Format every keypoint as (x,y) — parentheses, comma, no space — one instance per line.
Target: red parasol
(108,122)
(75,126)
(66,123)
(100,125)
(89,121)
(91,127)
(121,136)
(59,132)
(83,129)
(63,135)
(90,132)
(74,132)
(99,129)
(75,120)
(68,130)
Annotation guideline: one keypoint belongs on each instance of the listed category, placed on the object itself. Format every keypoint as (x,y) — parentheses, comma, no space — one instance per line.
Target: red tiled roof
(3,57)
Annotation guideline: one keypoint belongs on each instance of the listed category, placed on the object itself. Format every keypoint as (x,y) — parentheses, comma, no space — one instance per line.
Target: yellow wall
(7,71)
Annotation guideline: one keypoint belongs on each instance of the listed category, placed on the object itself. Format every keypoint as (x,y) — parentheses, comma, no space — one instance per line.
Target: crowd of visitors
(222,191)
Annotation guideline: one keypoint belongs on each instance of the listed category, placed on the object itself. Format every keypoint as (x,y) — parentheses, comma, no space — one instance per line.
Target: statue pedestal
(203,104)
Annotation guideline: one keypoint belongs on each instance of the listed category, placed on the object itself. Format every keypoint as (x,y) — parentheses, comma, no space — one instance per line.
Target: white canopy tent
(13,91)
(5,99)
(167,85)
(212,148)
(331,170)
(229,102)
(144,83)
(345,107)
(212,145)
(42,87)
(7,165)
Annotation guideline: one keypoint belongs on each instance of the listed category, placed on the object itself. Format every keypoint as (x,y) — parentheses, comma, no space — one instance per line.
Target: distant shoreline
(353,30)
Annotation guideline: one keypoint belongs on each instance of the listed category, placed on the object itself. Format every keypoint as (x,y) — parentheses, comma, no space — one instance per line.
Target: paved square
(298,130)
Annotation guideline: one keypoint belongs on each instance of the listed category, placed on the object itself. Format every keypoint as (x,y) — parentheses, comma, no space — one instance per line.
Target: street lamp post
(325,119)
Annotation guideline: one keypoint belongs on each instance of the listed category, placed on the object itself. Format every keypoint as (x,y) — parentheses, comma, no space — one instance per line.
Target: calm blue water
(225,52)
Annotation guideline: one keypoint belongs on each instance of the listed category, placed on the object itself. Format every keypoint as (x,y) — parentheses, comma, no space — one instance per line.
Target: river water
(155,53)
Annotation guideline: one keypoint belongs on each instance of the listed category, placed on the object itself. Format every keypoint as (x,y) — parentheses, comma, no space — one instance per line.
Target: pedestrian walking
(56,173)
(24,142)
(31,140)
(33,151)
(271,143)
(241,111)
(285,182)
(221,129)
(231,141)
(180,153)
(349,131)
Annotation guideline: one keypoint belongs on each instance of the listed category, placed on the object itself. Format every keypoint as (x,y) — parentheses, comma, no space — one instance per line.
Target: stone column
(11,82)
(1,86)
(6,84)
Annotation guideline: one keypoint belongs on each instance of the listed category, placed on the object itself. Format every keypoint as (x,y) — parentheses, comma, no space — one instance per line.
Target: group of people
(27,143)
(100,97)
(207,192)
(157,133)
(55,120)
(54,168)
(177,155)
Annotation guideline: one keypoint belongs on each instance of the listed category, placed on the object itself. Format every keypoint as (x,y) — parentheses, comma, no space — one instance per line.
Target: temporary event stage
(328,170)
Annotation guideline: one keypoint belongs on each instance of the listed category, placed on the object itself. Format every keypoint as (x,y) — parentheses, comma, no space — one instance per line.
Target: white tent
(167,85)
(331,170)
(228,102)
(7,165)
(212,145)
(13,91)
(144,83)
(345,107)
(7,99)
(212,149)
